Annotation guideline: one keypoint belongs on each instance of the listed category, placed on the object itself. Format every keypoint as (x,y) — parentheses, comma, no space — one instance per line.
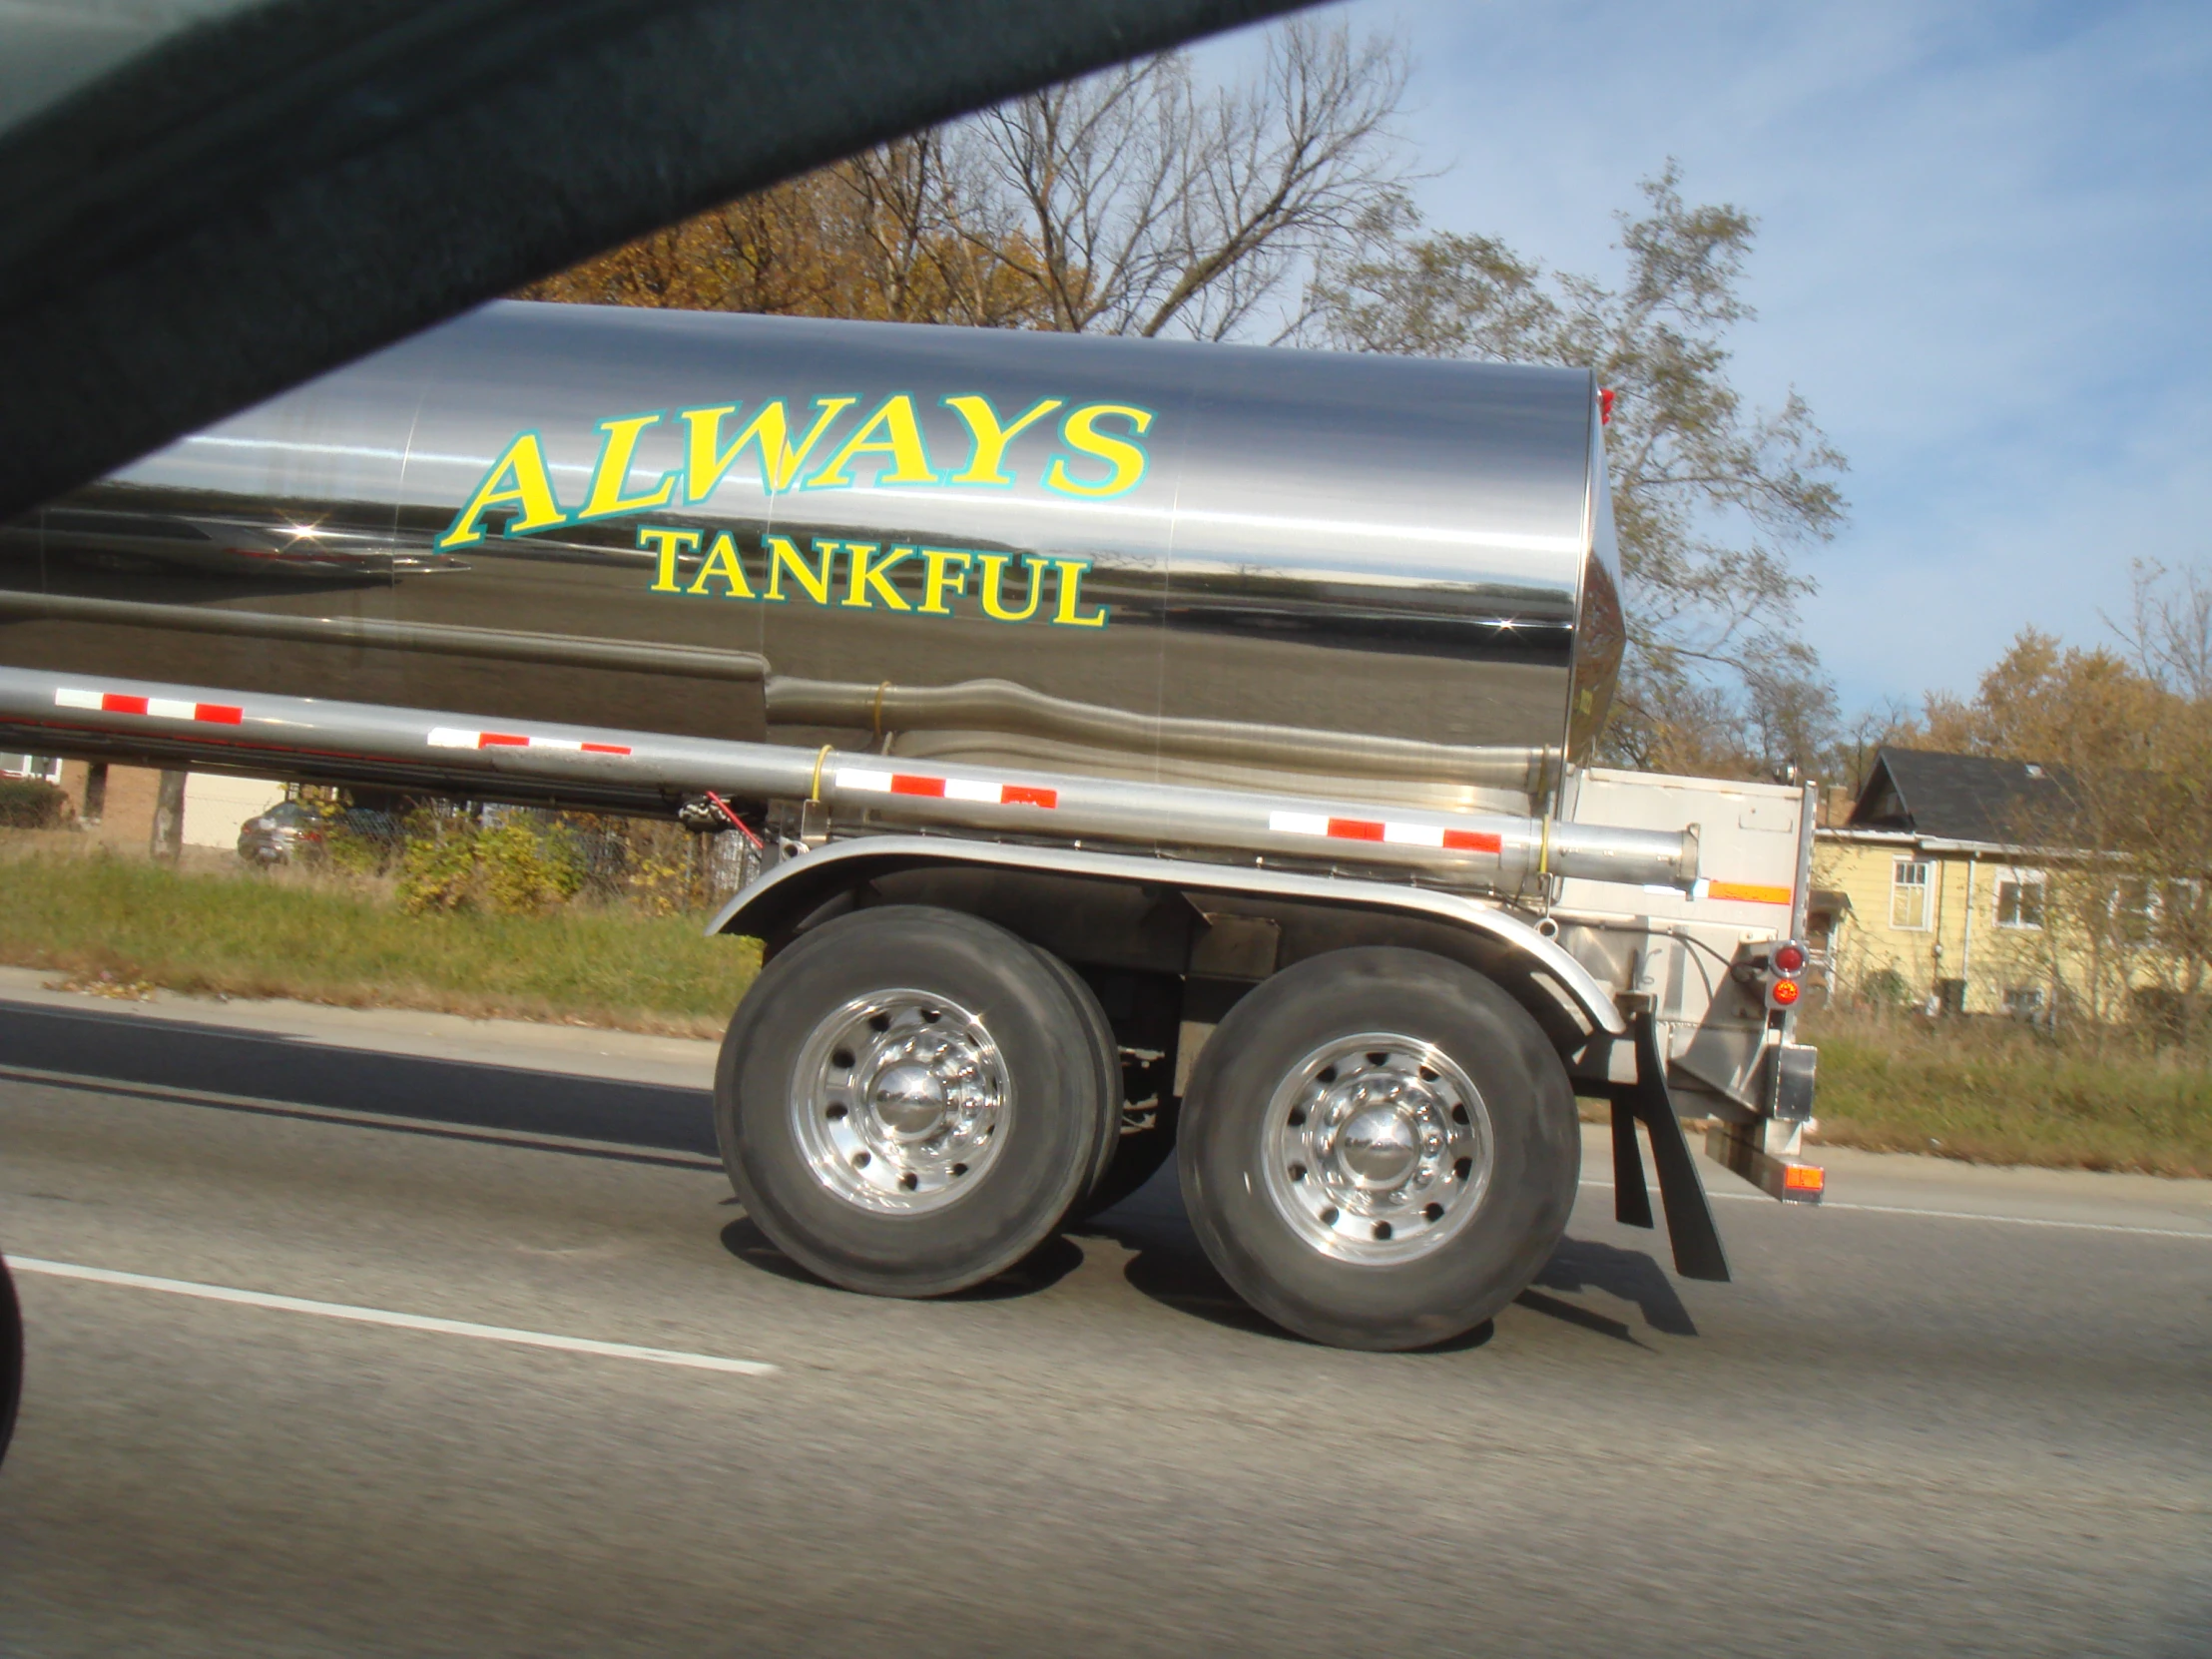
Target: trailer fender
(781,901)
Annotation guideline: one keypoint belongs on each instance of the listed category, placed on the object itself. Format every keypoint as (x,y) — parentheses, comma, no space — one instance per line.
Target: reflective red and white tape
(450,737)
(1381,829)
(865,782)
(155,707)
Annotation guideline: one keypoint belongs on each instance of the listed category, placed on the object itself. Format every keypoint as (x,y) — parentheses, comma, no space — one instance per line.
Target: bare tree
(2169,628)
(1136,204)
(1132,202)
(1711,498)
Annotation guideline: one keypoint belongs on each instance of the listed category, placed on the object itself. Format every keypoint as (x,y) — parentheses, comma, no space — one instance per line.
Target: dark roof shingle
(1965,798)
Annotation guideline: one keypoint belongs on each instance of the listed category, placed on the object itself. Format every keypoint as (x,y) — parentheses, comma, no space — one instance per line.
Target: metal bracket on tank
(798,826)
(1690,1228)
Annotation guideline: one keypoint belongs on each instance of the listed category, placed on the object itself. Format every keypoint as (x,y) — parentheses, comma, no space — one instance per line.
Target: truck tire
(1106,1050)
(906,1104)
(11,1357)
(1379,1148)
(1135,1161)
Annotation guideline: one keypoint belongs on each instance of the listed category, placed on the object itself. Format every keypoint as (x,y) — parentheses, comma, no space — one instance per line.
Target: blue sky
(1984,258)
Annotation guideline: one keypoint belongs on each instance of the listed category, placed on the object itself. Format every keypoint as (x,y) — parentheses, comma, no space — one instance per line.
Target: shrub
(1885,988)
(33,804)
(455,863)
(1992,1090)
(525,873)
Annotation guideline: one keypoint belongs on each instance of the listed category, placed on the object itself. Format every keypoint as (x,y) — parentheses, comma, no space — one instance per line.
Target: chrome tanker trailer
(1158,746)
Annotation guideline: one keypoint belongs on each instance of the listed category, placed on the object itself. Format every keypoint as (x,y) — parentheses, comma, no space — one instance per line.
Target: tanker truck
(1156,749)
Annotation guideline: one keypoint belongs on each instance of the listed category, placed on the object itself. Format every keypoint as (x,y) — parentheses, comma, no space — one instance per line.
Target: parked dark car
(292,830)
(285,831)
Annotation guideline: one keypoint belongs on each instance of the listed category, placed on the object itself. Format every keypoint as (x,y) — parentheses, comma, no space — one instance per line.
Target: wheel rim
(1376,1148)
(900,1102)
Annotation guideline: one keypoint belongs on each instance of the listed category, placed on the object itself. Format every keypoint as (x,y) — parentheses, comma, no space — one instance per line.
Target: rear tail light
(1784,964)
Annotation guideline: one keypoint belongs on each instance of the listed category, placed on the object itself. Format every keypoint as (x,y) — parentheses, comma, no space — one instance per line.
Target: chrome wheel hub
(1376,1148)
(900,1101)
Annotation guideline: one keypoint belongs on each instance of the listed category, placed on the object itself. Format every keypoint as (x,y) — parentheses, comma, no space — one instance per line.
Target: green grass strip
(1987,1091)
(248,935)
(1990,1091)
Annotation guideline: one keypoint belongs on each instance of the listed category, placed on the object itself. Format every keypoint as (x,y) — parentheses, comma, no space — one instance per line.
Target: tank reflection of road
(449,656)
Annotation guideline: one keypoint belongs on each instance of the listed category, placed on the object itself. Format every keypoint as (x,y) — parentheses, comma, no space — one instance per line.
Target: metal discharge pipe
(466,754)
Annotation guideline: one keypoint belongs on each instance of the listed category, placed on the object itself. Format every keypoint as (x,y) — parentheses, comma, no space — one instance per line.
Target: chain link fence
(457,856)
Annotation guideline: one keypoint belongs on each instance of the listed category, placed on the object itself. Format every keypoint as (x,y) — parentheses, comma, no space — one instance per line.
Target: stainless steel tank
(1356,576)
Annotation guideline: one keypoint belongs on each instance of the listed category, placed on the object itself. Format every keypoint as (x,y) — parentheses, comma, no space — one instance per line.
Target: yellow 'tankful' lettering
(617,453)
(1126,461)
(721,561)
(770,429)
(943,578)
(866,578)
(518,479)
(1071,595)
(781,556)
(991,438)
(666,544)
(994,575)
(902,441)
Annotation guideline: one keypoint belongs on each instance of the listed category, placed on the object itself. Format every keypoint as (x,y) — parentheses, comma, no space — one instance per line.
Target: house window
(42,768)
(2020,899)
(2023,1001)
(1909,895)
(2181,912)
(2134,911)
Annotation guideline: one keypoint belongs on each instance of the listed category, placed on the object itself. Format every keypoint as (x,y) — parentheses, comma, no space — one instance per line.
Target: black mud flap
(1697,1241)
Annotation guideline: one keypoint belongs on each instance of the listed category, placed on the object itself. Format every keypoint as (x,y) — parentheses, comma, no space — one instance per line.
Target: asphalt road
(1909,1428)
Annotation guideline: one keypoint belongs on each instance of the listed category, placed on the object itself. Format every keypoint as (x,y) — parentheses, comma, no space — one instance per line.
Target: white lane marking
(384,1316)
(1954,1214)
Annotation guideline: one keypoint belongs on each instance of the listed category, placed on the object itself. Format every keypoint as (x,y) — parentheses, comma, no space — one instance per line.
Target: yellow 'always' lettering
(991,438)
(1125,460)
(994,575)
(1071,595)
(781,556)
(721,561)
(617,451)
(666,543)
(780,463)
(902,441)
(865,578)
(518,479)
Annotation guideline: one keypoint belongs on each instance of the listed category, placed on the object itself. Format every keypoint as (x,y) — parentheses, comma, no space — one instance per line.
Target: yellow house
(1930,898)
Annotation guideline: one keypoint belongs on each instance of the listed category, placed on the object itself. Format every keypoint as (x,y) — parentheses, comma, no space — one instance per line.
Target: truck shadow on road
(278,1070)
(1168,1265)
(1583,1265)
(189,1063)
(1040,1270)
